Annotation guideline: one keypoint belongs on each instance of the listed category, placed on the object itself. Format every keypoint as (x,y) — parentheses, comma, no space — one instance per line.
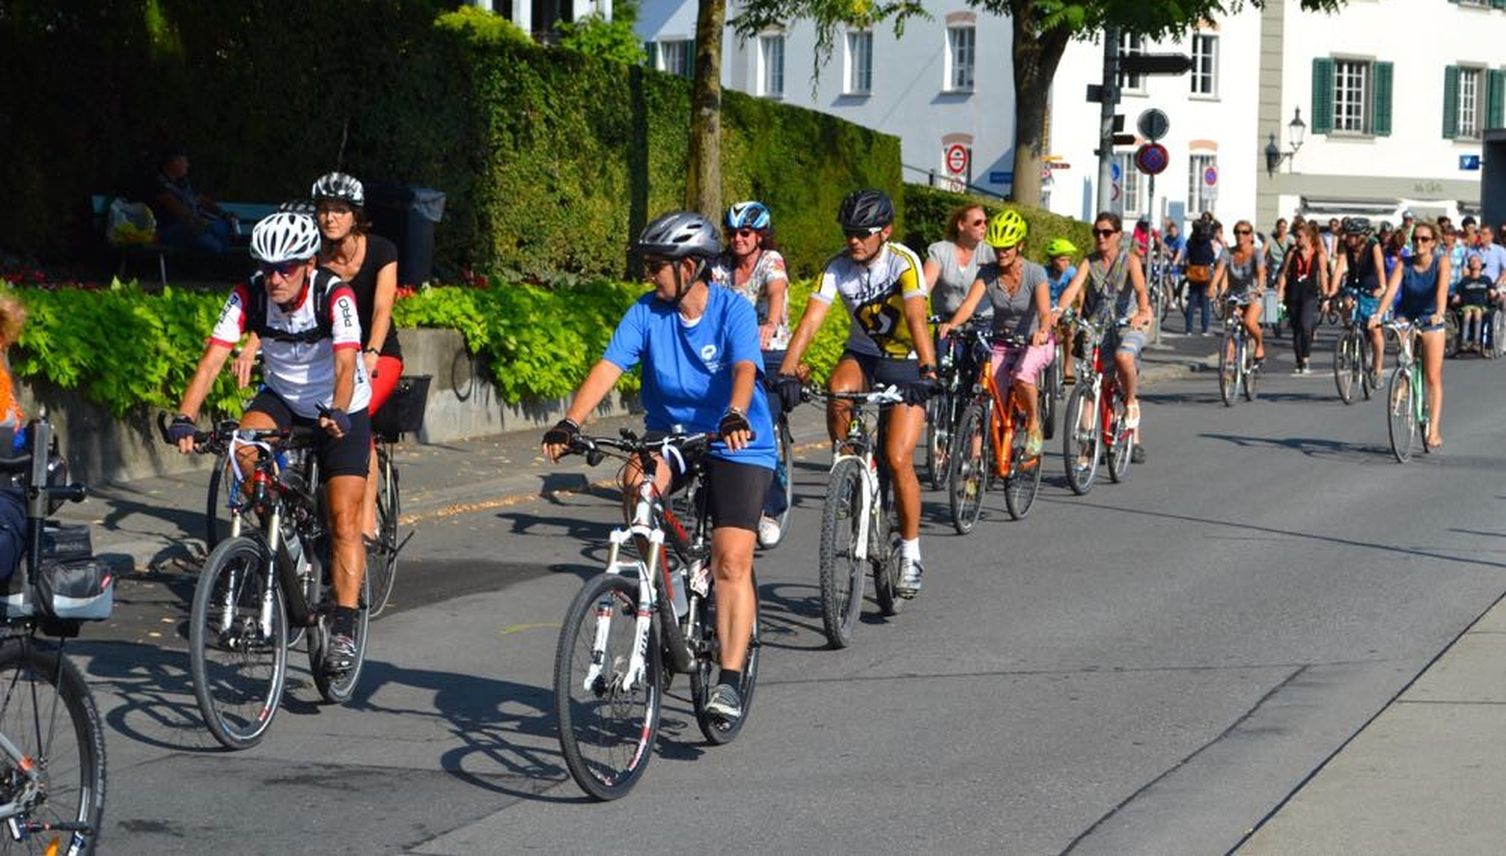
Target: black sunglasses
(286,269)
(651,267)
(1104,233)
(863,234)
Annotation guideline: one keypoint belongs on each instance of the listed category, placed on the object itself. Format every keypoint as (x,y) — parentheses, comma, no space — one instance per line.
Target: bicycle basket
(403,413)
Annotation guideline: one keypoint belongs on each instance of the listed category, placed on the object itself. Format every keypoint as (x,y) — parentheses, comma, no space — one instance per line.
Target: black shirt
(380,252)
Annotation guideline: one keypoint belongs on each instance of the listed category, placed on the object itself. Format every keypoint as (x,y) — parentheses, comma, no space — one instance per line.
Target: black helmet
(865,209)
(1356,225)
(678,235)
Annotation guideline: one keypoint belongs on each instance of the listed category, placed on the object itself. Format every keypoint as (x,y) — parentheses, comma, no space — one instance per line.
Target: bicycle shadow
(789,611)
(145,694)
(1324,448)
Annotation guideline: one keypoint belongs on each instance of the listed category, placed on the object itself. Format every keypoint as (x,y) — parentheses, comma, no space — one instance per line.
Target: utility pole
(1108,100)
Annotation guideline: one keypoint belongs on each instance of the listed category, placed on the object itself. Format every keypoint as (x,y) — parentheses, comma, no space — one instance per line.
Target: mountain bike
(991,443)
(1406,397)
(403,413)
(784,469)
(52,744)
(646,618)
(856,526)
(253,586)
(1238,370)
(944,408)
(1094,423)
(1351,352)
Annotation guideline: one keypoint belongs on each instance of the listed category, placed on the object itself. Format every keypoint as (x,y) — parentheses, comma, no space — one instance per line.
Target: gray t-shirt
(1241,276)
(1013,314)
(954,280)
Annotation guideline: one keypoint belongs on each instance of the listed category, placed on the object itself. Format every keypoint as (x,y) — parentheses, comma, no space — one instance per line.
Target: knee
(898,460)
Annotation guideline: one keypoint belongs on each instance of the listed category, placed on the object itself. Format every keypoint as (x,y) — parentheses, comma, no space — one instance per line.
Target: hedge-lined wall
(550,160)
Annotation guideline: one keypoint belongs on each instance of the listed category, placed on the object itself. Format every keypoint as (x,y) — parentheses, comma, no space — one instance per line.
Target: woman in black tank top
(1359,267)
(1303,282)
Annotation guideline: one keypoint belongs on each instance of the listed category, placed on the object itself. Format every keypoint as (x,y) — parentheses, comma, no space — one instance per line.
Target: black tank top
(1360,272)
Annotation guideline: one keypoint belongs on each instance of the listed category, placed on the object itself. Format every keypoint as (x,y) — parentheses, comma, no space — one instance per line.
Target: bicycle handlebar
(218,440)
(888,395)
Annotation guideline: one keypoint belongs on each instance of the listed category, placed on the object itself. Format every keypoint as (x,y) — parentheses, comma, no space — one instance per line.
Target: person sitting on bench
(187,219)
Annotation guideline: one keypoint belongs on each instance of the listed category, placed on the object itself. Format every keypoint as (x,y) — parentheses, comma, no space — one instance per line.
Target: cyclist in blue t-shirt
(699,348)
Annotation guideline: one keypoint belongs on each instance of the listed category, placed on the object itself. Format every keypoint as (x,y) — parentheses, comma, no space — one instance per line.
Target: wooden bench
(247,212)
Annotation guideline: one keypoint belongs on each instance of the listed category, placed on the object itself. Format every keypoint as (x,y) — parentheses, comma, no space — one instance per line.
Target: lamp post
(1296,135)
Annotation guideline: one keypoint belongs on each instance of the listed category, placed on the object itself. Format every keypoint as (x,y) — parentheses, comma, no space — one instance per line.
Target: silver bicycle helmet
(285,237)
(678,235)
(338,185)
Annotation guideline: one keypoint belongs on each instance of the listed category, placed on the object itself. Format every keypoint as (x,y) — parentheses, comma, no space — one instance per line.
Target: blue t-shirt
(687,368)
(1059,284)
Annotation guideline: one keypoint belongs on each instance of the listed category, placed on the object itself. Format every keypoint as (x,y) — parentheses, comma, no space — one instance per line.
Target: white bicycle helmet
(285,237)
(338,185)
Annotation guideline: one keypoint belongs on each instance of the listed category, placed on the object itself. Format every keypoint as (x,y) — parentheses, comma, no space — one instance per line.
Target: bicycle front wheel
(1346,368)
(224,511)
(1121,439)
(970,466)
(337,688)
(1024,473)
(1249,377)
(607,727)
(841,570)
(1228,368)
(49,717)
(1081,439)
(381,562)
(715,730)
(1401,414)
(238,643)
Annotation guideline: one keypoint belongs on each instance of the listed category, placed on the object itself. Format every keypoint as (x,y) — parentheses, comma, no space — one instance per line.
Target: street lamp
(1296,134)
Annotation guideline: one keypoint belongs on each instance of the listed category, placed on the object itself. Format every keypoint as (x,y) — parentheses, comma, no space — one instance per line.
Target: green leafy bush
(595,36)
(927,208)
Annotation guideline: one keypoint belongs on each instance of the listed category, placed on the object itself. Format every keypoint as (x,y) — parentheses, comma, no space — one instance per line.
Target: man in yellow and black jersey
(889,343)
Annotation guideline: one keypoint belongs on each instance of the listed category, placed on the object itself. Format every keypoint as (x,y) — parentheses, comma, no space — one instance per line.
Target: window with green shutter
(1495,98)
(1450,102)
(1322,110)
(1380,104)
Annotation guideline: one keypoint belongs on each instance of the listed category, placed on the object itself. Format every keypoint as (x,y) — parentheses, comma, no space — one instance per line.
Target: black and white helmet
(285,237)
(678,235)
(865,209)
(338,185)
(1356,225)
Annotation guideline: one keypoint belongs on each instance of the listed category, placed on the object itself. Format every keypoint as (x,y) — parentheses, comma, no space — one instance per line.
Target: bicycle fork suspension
(643,617)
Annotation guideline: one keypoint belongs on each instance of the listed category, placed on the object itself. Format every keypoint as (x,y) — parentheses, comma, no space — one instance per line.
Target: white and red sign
(957,156)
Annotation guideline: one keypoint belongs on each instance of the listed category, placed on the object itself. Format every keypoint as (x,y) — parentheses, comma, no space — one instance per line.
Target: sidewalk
(157,524)
(1424,776)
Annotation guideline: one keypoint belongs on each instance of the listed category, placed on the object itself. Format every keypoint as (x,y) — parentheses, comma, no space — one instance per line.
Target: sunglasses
(284,270)
(651,267)
(1422,239)
(742,233)
(863,234)
(1104,233)
(1241,231)
(978,222)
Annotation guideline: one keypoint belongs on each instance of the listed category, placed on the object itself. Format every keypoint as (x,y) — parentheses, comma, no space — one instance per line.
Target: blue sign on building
(1469,162)
(1000,177)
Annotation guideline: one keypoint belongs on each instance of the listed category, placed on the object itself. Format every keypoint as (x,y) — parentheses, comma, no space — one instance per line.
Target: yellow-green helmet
(1005,229)
(1060,247)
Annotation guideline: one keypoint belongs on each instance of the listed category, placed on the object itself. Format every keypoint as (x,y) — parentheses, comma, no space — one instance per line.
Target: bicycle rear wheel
(1047,389)
(1346,369)
(224,511)
(784,474)
(607,731)
(1249,376)
(703,679)
(1401,413)
(1228,367)
(239,661)
(1123,439)
(338,688)
(841,571)
(1081,439)
(49,715)
(1024,478)
(938,439)
(971,461)
(381,561)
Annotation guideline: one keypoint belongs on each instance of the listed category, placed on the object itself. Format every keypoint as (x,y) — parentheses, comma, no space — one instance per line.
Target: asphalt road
(1151,668)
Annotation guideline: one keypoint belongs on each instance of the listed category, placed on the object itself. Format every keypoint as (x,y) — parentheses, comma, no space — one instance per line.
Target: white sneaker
(910,573)
(768,531)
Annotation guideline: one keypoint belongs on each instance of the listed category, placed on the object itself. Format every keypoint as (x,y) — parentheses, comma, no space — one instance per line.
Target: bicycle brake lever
(594,457)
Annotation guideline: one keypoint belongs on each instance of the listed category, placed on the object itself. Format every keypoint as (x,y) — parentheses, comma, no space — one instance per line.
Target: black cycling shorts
(880,372)
(347,456)
(735,493)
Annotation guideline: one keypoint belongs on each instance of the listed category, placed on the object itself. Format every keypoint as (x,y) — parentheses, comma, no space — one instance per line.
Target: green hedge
(550,159)
(927,209)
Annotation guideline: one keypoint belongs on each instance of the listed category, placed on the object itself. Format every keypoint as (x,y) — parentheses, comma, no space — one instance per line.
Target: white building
(1394,96)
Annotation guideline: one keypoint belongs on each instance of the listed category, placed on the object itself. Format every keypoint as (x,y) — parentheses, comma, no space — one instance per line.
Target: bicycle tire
(338,689)
(381,563)
(1344,368)
(1024,479)
(883,555)
(716,731)
(605,753)
(1401,424)
(1367,364)
(1119,449)
(970,469)
(938,439)
(785,473)
(236,574)
(1249,375)
(1081,444)
(39,687)
(1046,392)
(219,517)
(1228,368)
(841,573)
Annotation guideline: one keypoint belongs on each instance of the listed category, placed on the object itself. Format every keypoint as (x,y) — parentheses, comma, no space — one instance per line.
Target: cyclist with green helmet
(1020,295)
(1059,272)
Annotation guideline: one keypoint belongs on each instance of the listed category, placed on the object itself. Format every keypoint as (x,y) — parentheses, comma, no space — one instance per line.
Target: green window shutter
(1450,102)
(688,72)
(1498,4)
(1495,98)
(1322,111)
(1380,100)
(651,50)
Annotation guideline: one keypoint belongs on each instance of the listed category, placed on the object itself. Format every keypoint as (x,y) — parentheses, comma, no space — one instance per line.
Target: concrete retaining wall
(463,403)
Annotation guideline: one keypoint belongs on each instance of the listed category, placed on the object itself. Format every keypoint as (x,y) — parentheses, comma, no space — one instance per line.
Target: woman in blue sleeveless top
(1422,281)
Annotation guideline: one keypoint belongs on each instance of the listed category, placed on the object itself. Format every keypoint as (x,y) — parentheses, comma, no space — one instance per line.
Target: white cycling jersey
(298,352)
(875,293)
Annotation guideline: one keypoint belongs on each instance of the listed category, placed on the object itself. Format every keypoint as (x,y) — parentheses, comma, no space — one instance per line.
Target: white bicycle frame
(889,395)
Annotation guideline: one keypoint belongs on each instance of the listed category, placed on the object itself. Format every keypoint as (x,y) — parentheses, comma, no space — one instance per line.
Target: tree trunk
(703,187)
(1036,56)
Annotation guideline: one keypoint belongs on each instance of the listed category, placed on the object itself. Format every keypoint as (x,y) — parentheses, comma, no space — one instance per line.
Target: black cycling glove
(182,428)
(339,417)
(789,389)
(918,392)
(562,434)
(733,422)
